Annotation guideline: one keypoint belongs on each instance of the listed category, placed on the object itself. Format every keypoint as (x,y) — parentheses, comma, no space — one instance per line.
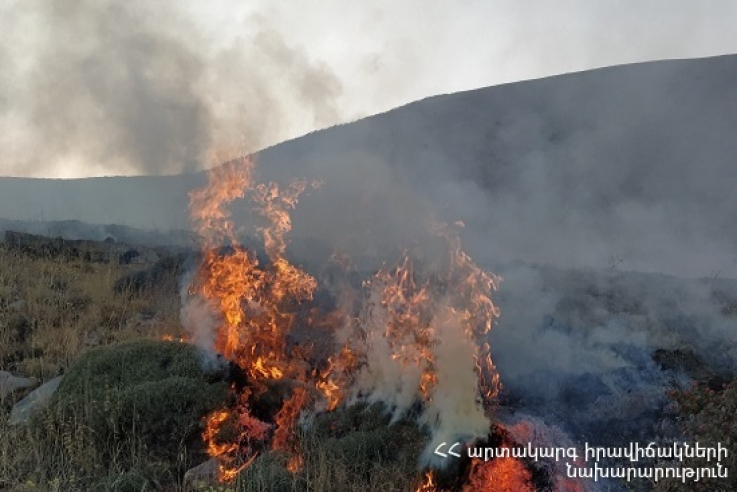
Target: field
(59,300)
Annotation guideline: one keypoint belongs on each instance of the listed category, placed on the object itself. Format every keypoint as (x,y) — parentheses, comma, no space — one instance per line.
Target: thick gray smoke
(596,351)
(134,88)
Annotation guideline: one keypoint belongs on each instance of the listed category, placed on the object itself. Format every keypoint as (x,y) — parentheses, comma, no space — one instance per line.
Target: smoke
(138,88)
(575,171)
(596,351)
(482,43)
(200,319)
(392,376)
(454,413)
(100,88)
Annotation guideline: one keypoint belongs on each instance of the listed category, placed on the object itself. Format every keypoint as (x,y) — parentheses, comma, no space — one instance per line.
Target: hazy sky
(107,88)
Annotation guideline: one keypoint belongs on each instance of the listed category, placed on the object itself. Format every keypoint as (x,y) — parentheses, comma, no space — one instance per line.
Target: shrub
(133,405)
(268,474)
(164,270)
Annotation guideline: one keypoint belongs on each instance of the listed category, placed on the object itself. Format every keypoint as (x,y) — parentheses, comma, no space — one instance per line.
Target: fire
(505,474)
(421,337)
(251,298)
(213,423)
(172,338)
(334,380)
(266,372)
(254,302)
(474,284)
(286,421)
(329,388)
(427,484)
(413,329)
(500,475)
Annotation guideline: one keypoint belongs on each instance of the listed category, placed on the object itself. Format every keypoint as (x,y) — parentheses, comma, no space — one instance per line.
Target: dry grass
(52,309)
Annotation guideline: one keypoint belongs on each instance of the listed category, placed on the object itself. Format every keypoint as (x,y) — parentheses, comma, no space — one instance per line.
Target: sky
(98,87)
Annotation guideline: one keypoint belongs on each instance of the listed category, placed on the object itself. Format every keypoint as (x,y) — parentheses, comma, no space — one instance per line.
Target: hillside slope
(632,165)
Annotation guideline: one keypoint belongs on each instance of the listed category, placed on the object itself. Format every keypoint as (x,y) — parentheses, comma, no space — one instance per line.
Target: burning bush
(121,407)
(350,448)
(418,337)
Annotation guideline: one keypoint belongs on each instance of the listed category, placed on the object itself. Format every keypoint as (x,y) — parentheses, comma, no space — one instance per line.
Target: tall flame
(251,298)
(425,339)
(254,302)
(505,474)
(416,338)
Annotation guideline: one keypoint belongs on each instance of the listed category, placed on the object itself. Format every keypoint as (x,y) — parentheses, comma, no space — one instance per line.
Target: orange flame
(252,299)
(172,338)
(213,424)
(406,312)
(505,474)
(286,421)
(255,302)
(427,484)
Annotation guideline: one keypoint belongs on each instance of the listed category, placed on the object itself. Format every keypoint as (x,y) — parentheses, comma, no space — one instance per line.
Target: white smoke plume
(200,319)
(420,356)
(454,413)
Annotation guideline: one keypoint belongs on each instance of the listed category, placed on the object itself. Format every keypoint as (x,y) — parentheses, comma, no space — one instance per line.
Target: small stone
(10,383)
(35,401)
(204,474)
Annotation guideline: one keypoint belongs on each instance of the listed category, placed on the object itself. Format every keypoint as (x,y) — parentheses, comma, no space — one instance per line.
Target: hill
(630,165)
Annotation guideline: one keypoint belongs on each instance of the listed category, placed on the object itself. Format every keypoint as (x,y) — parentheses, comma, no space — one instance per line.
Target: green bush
(135,405)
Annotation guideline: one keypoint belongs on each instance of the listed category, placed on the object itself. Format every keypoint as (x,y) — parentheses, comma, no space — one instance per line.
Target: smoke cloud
(138,88)
(596,351)
(97,88)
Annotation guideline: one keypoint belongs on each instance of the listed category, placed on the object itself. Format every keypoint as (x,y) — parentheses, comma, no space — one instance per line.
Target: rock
(10,383)
(35,401)
(204,474)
